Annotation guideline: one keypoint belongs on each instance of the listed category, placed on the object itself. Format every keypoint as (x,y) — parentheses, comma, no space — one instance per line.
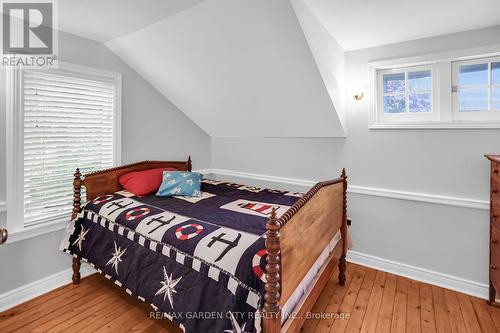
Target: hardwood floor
(371,301)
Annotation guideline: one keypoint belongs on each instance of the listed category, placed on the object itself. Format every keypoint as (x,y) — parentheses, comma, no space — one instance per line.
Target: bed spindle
(77,208)
(271,309)
(343,231)
(189,164)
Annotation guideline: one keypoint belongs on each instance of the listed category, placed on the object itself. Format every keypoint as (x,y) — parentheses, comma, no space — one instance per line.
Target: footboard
(294,243)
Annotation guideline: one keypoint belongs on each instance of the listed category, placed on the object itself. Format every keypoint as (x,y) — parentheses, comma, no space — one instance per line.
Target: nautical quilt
(199,261)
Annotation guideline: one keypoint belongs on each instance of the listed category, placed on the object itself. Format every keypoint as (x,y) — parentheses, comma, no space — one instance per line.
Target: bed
(237,259)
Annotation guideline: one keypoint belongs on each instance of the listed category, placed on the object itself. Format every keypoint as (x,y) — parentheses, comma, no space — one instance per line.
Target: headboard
(106,181)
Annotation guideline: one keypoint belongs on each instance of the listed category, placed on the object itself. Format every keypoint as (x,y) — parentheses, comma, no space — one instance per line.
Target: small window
(476,89)
(405,95)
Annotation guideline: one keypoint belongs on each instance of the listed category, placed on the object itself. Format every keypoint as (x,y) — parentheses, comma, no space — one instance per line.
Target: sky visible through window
(412,90)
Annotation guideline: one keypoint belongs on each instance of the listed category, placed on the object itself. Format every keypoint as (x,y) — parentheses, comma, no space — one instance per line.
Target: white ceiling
(233,77)
(357,24)
(103,20)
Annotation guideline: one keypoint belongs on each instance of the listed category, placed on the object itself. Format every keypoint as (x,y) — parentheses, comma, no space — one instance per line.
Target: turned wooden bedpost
(343,231)
(271,320)
(189,164)
(77,208)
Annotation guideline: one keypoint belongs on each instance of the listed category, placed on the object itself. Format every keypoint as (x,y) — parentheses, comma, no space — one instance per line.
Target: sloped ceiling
(236,68)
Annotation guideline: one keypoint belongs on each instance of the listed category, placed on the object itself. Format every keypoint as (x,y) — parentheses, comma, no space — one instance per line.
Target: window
(60,119)
(439,92)
(406,95)
(476,87)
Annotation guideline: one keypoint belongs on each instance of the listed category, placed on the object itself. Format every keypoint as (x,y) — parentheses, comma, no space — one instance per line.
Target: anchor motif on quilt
(230,244)
(160,221)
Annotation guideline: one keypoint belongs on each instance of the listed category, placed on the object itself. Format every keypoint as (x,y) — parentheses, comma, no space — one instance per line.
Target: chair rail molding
(364,190)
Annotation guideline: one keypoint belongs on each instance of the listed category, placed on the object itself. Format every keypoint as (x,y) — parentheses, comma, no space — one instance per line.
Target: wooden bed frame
(294,241)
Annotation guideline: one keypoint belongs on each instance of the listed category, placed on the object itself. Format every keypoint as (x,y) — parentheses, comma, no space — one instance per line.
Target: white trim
(364,190)
(37,230)
(420,274)
(31,290)
(437,125)
(255,176)
(421,197)
(3,207)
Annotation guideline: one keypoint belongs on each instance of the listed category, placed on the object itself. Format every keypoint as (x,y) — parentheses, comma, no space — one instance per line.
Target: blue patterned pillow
(180,183)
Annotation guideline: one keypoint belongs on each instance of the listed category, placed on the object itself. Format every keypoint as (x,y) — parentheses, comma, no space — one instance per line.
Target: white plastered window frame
(14,107)
(445,110)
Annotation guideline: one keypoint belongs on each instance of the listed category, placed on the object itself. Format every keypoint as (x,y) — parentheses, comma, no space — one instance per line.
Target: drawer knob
(494,216)
(495,171)
(494,241)
(493,267)
(494,191)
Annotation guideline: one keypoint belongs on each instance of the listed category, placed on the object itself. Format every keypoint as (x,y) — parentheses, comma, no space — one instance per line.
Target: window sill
(436,125)
(37,230)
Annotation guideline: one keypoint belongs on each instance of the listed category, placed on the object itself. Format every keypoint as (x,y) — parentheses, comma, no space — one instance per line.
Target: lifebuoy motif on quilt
(179,233)
(104,198)
(136,213)
(257,268)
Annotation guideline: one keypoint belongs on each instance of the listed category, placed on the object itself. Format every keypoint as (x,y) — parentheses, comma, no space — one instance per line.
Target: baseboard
(25,293)
(365,190)
(420,274)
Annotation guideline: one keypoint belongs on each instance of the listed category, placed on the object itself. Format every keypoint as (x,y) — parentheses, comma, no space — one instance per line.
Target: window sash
(407,116)
(474,115)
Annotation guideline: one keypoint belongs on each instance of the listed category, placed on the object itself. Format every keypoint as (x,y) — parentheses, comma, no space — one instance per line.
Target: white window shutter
(68,123)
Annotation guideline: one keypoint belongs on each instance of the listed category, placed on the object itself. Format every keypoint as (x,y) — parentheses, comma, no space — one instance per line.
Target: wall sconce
(358,97)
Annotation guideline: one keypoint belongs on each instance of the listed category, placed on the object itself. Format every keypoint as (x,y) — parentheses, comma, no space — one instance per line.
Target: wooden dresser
(494,227)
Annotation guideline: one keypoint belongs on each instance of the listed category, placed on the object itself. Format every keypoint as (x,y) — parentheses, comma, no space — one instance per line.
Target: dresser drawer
(495,256)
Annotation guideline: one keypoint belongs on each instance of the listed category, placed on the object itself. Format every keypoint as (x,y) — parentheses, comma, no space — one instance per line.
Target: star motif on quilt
(236,327)
(81,238)
(168,175)
(168,287)
(189,182)
(116,258)
(172,182)
(185,174)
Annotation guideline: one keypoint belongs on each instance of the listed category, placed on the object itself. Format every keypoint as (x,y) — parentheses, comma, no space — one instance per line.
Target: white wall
(237,68)
(152,128)
(446,239)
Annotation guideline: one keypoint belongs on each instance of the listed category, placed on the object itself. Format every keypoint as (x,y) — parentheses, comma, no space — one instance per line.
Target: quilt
(199,261)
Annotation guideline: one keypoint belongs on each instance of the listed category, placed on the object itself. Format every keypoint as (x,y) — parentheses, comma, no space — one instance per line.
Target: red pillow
(145,182)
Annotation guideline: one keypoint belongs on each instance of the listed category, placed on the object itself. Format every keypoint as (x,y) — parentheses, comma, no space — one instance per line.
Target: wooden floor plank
(358,312)
(373,308)
(483,315)
(468,313)
(387,306)
(455,314)
(374,301)
(440,311)
(334,302)
(12,323)
(398,324)
(350,297)
(322,302)
(427,320)
(413,308)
